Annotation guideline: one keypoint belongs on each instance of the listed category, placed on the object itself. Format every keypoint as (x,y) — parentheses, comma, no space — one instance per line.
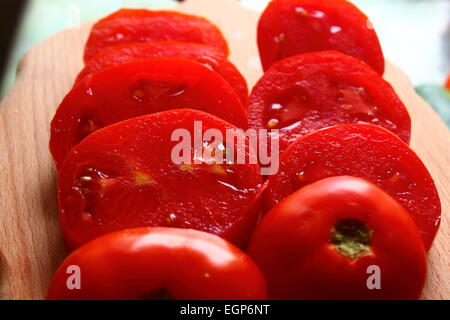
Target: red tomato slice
(123,176)
(364,151)
(206,55)
(447,83)
(290,27)
(138,88)
(158,263)
(304,93)
(138,25)
(323,241)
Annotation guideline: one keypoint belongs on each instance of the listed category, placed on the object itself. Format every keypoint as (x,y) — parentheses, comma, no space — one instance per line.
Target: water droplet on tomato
(317,14)
(276,106)
(229,185)
(209,66)
(335,29)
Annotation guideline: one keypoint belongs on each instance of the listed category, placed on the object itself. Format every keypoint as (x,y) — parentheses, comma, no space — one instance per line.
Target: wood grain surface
(30,241)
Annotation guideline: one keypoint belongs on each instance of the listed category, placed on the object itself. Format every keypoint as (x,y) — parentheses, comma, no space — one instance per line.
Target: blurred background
(415,34)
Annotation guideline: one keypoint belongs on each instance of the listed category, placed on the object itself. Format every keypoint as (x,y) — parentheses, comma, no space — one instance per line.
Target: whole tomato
(158,263)
(140,25)
(340,238)
(366,151)
(290,27)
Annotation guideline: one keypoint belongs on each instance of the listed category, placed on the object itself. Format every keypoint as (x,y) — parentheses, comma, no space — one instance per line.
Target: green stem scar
(351,238)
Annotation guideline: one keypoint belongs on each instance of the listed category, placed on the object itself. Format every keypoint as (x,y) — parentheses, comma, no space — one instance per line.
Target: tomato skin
(209,56)
(111,95)
(322,89)
(139,25)
(123,176)
(447,83)
(293,249)
(364,151)
(188,264)
(316,25)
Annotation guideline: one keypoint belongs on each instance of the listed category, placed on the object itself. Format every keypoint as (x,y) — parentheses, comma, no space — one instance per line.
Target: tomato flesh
(322,241)
(123,176)
(159,263)
(138,88)
(304,93)
(206,55)
(291,27)
(365,151)
(139,25)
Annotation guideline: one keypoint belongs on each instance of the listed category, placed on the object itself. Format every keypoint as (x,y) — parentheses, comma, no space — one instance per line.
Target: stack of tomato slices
(350,213)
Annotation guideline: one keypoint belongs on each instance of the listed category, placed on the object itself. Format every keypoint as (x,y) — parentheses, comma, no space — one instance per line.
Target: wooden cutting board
(30,240)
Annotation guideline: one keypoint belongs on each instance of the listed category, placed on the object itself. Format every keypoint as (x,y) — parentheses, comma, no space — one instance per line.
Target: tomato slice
(158,263)
(123,176)
(206,55)
(325,240)
(290,27)
(447,83)
(304,93)
(365,151)
(139,25)
(138,88)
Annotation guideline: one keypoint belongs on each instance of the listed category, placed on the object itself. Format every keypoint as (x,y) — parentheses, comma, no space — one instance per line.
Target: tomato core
(351,238)
(92,184)
(356,101)
(288,108)
(146,90)
(294,106)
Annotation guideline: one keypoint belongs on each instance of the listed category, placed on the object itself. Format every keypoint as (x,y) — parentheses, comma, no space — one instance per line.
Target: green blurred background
(415,34)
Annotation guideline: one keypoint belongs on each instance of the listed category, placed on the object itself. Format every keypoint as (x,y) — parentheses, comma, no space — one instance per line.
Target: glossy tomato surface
(139,25)
(206,55)
(138,88)
(365,151)
(159,263)
(333,238)
(447,83)
(290,27)
(126,175)
(304,93)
